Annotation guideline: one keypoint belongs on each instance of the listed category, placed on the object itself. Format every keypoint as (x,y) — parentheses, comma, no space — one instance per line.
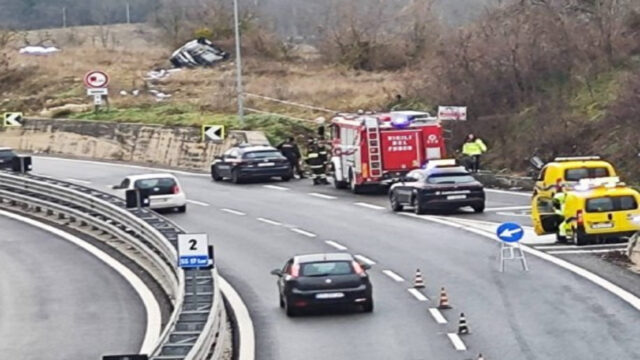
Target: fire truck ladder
(373,142)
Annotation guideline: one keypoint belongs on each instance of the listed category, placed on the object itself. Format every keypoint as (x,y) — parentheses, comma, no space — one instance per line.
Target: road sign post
(193,253)
(96,83)
(510,234)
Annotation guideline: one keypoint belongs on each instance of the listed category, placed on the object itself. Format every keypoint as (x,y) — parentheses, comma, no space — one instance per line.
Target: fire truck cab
(380,148)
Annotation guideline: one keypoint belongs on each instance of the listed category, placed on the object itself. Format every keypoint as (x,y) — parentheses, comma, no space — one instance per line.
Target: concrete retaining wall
(171,146)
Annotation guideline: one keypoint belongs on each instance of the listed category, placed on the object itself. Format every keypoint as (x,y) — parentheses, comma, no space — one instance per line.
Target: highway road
(547,313)
(57,301)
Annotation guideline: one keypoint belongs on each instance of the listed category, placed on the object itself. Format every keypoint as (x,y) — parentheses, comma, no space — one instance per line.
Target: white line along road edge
(605,284)
(247,341)
(150,303)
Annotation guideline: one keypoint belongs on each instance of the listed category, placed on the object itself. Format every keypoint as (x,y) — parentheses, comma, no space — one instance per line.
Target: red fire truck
(376,149)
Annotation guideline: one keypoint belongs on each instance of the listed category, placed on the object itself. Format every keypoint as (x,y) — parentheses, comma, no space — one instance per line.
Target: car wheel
(417,207)
(478,208)
(286,178)
(214,174)
(182,208)
(368,306)
(395,204)
(281,302)
(235,177)
(289,310)
(577,238)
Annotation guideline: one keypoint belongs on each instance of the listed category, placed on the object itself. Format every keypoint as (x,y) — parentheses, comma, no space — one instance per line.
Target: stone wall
(171,146)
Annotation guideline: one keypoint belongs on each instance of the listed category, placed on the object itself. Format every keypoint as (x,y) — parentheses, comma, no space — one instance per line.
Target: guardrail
(197,324)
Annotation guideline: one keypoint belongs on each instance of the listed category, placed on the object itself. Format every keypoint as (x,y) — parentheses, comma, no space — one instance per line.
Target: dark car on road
(242,163)
(6,157)
(323,280)
(438,188)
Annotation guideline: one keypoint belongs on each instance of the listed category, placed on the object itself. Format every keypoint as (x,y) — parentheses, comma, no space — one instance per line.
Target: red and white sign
(452,113)
(96,80)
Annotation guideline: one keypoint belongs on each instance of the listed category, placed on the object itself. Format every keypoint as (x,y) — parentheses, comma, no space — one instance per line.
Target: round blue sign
(510,232)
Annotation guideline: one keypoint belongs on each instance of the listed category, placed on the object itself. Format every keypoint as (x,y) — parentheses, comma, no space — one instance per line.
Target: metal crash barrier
(196,328)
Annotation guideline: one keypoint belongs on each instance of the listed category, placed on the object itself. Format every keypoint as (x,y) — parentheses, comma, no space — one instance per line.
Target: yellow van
(595,210)
(568,171)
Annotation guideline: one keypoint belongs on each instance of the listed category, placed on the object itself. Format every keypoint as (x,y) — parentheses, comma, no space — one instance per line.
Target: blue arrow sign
(510,232)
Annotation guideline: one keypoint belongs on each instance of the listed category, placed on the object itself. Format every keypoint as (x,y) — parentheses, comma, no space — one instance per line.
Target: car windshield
(326,268)
(611,203)
(450,179)
(158,184)
(262,154)
(7,154)
(585,173)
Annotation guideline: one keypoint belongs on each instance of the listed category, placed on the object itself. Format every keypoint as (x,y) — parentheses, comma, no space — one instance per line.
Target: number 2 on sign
(193,244)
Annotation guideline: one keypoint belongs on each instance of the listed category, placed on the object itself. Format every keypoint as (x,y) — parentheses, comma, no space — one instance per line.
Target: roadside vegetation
(552,77)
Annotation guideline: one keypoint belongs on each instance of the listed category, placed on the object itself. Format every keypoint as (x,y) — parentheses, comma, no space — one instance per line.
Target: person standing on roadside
(473,148)
(291,151)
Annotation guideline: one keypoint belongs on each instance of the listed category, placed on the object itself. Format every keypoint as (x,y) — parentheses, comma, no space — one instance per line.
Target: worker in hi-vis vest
(473,147)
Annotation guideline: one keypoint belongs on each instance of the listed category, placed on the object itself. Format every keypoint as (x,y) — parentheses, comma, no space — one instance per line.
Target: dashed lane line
(234,212)
(417,294)
(336,245)
(457,342)
(199,203)
(507,208)
(364,259)
(269,221)
(437,316)
(303,232)
(565,252)
(369,206)
(276,187)
(507,192)
(393,276)
(323,196)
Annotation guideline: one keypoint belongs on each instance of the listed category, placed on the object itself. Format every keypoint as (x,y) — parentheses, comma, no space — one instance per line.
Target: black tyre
(289,310)
(214,174)
(478,208)
(577,238)
(235,177)
(395,204)
(281,302)
(182,208)
(417,207)
(368,306)
(286,178)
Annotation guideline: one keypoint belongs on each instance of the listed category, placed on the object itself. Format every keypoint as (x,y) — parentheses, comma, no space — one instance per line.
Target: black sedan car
(6,158)
(439,188)
(251,162)
(323,280)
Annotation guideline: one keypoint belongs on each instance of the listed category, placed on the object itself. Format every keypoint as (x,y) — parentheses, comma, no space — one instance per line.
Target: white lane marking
(247,340)
(198,203)
(561,252)
(369,206)
(437,316)
(276,187)
(303,232)
(364,259)
(458,344)
(323,196)
(623,294)
(106,163)
(154,324)
(234,212)
(336,245)
(508,192)
(393,275)
(417,294)
(584,247)
(512,214)
(85,182)
(268,221)
(506,208)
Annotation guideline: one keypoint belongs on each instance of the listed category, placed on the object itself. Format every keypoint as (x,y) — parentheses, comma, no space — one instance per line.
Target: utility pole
(64,17)
(128,13)
(238,64)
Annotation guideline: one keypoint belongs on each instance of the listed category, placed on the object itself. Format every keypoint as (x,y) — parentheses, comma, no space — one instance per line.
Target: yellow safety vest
(472,148)
(561,197)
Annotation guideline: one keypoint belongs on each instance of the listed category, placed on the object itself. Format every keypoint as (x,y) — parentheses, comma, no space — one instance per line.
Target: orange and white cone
(444,300)
(463,328)
(418,281)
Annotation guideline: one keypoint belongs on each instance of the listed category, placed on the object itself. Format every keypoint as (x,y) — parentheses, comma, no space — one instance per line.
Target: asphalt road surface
(57,301)
(547,313)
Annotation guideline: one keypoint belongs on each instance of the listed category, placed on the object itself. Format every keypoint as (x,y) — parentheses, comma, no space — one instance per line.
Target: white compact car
(164,190)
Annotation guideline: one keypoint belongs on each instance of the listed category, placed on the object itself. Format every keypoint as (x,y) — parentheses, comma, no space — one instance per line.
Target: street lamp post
(238,63)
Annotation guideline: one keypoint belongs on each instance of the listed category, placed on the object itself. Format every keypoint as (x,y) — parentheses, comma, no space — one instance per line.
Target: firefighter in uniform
(473,147)
(559,200)
(291,151)
(317,163)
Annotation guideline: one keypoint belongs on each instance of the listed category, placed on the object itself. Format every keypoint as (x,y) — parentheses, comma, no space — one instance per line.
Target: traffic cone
(463,329)
(418,282)
(444,300)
